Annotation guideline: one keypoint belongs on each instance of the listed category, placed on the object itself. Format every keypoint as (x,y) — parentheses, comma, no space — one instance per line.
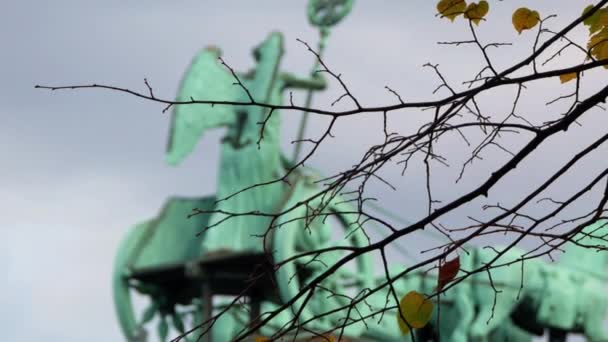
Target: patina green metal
(564,297)
(165,240)
(322,14)
(568,296)
(245,160)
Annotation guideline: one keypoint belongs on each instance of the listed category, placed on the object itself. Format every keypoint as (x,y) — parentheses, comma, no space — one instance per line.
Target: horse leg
(509,332)
(455,318)
(465,307)
(594,305)
(496,291)
(557,335)
(594,325)
(492,311)
(597,333)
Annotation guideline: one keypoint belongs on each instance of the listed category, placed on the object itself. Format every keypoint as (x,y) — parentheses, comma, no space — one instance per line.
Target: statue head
(214,48)
(264,86)
(270,50)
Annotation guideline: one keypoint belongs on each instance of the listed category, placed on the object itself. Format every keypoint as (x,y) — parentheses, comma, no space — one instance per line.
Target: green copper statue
(563,297)
(246,160)
(567,296)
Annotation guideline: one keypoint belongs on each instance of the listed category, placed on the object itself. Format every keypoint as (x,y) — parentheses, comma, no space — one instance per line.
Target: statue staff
(322,14)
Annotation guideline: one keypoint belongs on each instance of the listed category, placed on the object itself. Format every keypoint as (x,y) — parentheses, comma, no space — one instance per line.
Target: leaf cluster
(524,19)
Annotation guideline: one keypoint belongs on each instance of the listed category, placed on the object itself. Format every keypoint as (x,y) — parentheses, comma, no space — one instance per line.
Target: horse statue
(447,311)
(563,297)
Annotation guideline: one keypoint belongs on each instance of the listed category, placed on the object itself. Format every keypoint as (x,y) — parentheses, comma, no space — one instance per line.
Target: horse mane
(589,251)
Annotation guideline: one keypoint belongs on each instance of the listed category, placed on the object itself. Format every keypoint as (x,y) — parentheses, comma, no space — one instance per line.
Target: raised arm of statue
(308,83)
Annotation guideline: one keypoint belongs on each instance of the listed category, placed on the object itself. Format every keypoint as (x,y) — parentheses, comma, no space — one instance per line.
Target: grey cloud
(80,167)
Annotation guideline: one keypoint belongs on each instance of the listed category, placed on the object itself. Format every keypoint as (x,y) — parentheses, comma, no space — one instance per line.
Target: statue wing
(205,79)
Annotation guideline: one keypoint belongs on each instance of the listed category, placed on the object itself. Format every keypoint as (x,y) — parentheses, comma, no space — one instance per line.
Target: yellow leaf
(415,309)
(525,19)
(598,45)
(567,77)
(597,39)
(451,8)
(475,12)
(261,339)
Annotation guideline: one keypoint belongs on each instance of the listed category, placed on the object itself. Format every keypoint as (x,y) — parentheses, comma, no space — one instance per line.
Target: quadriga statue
(245,160)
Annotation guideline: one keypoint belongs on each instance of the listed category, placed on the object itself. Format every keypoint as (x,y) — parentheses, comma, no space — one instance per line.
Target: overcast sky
(80,168)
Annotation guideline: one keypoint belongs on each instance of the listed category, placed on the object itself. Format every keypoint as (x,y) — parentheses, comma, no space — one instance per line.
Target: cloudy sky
(79,168)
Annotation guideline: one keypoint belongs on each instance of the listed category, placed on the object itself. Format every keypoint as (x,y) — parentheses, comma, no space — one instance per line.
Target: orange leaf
(261,339)
(567,77)
(415,309)
(447,272)
(451,8)
(525,19)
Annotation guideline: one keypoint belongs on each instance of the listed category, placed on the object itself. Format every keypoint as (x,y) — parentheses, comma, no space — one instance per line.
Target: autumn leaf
(525,19)
(451,8)
(261,339)
(598,20)
(589,21)
(476,11)
(567,77)
(416,309)
(447,272)
(598,45)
